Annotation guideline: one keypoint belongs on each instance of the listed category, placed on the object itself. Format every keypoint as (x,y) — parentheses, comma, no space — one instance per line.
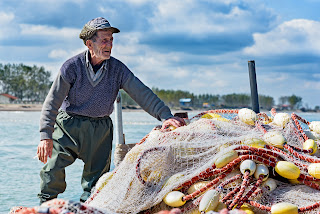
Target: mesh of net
(139,183)
(166,160)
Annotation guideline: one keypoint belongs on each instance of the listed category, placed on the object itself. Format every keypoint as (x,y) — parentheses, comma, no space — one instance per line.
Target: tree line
(33,83)
(27,83)
(172,97)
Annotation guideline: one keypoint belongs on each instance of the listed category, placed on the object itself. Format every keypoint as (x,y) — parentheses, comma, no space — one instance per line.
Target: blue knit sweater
(74,91)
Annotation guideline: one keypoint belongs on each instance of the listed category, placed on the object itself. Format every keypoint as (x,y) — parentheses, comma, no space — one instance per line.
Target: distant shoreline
(20,107)
(38,107)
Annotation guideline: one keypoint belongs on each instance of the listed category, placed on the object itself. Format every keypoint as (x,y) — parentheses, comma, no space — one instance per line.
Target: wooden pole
(253,86)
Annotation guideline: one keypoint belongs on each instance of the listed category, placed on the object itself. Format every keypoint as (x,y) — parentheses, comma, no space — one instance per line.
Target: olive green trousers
(89,139)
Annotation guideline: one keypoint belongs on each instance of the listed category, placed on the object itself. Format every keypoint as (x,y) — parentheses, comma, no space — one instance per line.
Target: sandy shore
(37,107)
(20,107)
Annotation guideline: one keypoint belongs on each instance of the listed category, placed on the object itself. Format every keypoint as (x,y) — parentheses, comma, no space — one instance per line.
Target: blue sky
(200,46)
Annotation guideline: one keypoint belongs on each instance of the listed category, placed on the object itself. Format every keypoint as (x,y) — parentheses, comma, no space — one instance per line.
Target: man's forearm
(51,105)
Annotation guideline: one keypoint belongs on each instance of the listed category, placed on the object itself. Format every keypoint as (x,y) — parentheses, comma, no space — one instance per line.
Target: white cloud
(55,2)
(7,25)
(48,31)
(192,17)
(291,37)
(313,85)
(274,78)
(137,2)
(6,18)
(58,53)
(127,44)
(196,83)
(59,56)
(181,17)
(207,78)
(107,10)
(180,73)
(316,75)
(64,54)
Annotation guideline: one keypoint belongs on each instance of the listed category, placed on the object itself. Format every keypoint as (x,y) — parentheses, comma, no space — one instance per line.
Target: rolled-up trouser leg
(96,155)
(53,173)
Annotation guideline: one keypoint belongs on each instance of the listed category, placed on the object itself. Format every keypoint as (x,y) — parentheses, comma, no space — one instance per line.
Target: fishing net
(232,159)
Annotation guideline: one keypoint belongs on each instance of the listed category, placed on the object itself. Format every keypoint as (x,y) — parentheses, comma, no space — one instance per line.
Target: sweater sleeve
(51,105)
(145,97)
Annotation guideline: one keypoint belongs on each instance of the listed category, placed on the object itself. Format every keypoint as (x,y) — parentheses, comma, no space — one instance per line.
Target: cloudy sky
(200,46)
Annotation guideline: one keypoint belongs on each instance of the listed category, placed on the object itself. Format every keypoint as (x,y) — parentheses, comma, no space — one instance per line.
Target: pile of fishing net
(222,160)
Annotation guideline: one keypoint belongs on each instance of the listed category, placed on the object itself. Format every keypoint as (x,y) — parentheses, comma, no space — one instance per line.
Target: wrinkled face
(100,46)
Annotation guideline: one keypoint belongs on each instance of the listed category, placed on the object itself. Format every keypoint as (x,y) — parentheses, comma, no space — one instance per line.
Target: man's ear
(89,44)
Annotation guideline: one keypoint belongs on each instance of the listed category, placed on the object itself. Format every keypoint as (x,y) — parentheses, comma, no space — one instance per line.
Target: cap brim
(114,30)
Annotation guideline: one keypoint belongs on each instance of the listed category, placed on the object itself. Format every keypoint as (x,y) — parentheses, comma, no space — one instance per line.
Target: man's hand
(44,150)
(173,121)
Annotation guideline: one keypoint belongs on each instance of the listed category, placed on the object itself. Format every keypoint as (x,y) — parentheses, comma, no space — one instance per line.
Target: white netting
(196,153)
(138,183)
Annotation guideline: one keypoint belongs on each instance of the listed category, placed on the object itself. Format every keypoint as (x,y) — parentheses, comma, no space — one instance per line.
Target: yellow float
(196,186)
(226,158)
(247,116)
(275,138)
(174,199)
(214,116)
(284,208)
(173,180)
(209,201)
(281,119)
(254,142)
(246,209)
(315,126)
(287,170)
(310,144)
(211,115)
(314,170)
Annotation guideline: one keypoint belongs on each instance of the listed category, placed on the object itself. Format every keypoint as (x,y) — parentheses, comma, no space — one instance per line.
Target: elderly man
(75,120)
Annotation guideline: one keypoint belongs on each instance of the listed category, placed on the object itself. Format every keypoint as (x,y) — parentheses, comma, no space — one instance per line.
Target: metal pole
(253,86)
(118,120)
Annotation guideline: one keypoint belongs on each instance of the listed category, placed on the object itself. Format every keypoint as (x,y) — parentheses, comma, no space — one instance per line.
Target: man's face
(102,45)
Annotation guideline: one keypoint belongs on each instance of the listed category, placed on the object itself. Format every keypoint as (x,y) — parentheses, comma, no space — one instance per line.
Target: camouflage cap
(93,26)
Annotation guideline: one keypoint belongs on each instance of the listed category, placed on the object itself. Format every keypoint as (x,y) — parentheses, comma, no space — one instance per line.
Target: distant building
(205,105)
(7,98)
(185,102)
